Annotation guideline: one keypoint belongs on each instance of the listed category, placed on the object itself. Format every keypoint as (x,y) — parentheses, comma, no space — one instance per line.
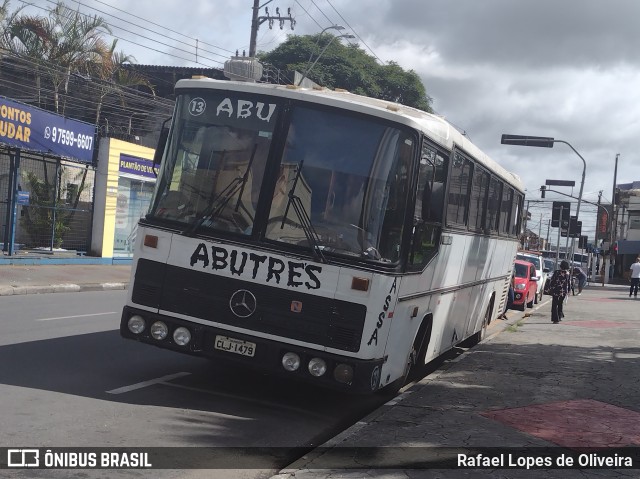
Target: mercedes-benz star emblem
(243,303)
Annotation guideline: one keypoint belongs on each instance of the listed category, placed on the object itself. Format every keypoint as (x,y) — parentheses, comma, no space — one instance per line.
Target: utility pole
(257,20)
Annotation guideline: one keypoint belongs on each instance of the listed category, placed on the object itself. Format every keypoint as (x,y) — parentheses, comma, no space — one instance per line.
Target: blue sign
(29,128)
(136,166)
(23,197)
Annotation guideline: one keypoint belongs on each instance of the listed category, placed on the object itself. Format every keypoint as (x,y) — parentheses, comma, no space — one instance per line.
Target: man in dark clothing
(559,289)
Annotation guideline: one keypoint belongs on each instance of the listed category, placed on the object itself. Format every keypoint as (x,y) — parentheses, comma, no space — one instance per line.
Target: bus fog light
(317,367)
(159,330)
(136,324)
(343,373)
(291,361)
(181,336)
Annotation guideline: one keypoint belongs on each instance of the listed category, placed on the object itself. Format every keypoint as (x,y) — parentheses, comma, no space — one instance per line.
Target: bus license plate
(237,346)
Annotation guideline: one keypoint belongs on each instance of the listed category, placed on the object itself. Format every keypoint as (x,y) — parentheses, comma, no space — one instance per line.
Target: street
(70,380)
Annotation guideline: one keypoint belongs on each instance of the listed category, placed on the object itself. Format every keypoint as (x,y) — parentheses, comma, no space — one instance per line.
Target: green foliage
(39,217)
(348,67)
(46,214)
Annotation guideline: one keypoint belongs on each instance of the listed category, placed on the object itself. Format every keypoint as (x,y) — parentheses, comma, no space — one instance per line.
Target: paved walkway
(533,389)
(15,279)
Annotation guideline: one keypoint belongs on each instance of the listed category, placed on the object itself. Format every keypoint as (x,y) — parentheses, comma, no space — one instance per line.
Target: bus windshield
(353,182)
(337,182)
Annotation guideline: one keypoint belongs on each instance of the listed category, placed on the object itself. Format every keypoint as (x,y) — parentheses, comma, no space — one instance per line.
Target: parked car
(526,284)
(550,265)
(541,273)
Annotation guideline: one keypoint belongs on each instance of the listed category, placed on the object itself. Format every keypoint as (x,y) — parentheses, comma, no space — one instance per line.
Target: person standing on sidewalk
(559,288)
(581,277)
(635,278)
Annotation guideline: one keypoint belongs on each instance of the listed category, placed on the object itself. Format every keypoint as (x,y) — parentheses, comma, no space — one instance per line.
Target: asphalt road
(69,380)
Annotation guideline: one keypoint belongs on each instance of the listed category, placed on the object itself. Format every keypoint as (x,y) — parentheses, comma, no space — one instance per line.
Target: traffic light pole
(605,266)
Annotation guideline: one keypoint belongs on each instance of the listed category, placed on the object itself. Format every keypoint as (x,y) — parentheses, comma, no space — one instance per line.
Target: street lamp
(315,45)
(546,142)
(304,75)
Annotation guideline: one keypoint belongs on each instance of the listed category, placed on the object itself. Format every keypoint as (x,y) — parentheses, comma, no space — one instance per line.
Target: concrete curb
(60,288)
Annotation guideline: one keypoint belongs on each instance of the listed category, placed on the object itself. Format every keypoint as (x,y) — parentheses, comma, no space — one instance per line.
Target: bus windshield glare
(317,178)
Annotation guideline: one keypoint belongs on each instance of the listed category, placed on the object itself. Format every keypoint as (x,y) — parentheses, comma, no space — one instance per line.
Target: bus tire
(416,357)
(474,339)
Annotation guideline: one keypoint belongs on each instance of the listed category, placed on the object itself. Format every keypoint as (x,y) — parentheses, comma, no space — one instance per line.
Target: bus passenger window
(431,180)
(429,207)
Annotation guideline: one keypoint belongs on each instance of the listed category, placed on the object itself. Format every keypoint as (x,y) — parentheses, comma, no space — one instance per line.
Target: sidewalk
(548,388)
(65,278)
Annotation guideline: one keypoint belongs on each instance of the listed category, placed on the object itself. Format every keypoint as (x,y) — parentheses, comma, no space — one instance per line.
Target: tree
(348,67)
(6,20)
(113,77)
(45,220)
(63,43)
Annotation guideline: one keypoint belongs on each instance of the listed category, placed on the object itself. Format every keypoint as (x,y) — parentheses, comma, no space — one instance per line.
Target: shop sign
(29,128)
(136,166)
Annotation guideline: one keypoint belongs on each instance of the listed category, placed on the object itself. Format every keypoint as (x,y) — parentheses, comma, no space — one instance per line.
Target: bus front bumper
(315,366)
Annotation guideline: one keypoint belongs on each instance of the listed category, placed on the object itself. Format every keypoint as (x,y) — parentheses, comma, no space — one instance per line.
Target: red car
(526,284)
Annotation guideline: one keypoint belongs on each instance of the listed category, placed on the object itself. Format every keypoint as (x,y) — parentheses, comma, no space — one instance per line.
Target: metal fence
(53,209)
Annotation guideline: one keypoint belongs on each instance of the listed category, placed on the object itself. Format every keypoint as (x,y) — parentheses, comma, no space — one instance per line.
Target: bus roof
(433,126)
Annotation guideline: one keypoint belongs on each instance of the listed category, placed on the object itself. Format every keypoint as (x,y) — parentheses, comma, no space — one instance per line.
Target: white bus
(320,234)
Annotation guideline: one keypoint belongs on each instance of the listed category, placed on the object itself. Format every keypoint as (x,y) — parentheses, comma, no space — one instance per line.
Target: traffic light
(543,190)
(582,242)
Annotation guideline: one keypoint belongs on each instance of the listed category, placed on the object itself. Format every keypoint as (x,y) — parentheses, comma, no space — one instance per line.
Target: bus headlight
(181,336)
(291,361)
(317,367)
(343,373)
(136,324)
(159,330)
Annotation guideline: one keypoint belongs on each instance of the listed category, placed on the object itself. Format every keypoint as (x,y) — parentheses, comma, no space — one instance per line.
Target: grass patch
(512,328)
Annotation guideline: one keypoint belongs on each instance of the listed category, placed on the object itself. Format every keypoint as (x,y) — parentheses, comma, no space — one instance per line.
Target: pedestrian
(559,289)
(581,277)
(635,278)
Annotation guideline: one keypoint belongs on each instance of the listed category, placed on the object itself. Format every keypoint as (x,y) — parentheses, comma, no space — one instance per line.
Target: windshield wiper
(303,217)
(218,203)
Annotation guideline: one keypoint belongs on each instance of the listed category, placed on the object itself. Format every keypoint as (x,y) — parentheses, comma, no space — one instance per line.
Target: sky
(566,69)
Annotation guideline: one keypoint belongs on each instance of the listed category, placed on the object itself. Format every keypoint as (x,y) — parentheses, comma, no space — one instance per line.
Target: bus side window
(429,207)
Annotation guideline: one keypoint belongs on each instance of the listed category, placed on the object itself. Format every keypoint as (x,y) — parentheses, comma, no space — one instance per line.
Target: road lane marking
(144,384)
(78,316)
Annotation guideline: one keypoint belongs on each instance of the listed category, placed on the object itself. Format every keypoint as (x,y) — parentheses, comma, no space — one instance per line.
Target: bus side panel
(381,314)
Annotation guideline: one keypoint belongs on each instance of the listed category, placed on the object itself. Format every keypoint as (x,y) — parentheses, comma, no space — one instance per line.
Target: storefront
(123,193)
(46,184)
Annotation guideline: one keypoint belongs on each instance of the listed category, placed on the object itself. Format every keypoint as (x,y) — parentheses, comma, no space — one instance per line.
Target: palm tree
(114,78)
(6,20)
(60,44)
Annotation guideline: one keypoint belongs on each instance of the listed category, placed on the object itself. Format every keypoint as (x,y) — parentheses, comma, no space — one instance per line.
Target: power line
(152,23)
(356,33)
(153,40)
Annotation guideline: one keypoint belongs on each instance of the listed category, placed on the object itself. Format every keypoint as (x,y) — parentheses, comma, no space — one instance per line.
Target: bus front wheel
(416,358)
